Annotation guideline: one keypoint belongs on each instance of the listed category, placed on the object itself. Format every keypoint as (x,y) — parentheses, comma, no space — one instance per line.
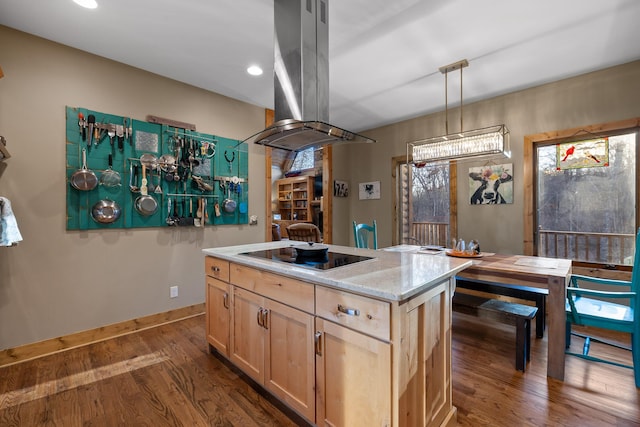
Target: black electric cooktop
(324,261)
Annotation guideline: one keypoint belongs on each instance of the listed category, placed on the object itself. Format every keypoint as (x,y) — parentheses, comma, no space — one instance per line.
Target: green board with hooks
(193,179)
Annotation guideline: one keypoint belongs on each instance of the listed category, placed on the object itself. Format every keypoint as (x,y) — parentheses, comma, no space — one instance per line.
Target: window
(424,203)
(583,209)
(304,160)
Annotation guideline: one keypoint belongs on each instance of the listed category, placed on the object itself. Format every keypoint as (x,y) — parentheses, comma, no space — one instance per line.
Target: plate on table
(459,254)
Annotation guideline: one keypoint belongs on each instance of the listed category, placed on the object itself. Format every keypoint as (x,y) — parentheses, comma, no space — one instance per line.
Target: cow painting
(491,185)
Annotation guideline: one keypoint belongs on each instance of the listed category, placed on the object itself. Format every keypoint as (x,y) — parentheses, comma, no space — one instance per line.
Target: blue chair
(363,233)
(589,307)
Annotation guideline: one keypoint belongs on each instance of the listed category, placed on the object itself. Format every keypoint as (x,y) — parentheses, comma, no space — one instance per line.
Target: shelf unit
(295,195)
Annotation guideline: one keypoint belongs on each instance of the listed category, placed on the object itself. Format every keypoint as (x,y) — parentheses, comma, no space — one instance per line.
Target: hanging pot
(149,161)
(84,179)
(145,204)
(105,211)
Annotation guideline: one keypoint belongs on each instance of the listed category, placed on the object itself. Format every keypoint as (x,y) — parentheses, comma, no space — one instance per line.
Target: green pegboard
(197,155)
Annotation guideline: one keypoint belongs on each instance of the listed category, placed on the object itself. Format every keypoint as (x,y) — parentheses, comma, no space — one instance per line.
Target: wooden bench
(527,293)
(503,311)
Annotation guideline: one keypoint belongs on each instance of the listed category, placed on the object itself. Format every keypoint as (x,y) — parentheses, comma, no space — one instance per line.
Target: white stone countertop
(395,274)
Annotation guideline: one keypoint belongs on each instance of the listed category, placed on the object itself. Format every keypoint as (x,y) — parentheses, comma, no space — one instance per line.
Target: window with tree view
(424,204)
(586,199)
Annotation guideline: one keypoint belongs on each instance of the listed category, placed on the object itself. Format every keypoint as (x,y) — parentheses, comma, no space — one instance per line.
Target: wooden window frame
(529,162)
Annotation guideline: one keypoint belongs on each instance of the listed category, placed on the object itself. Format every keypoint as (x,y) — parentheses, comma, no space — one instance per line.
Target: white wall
(58,282)
(598,97)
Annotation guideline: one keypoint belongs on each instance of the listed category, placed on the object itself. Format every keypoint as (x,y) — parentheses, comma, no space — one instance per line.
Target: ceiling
(383,55)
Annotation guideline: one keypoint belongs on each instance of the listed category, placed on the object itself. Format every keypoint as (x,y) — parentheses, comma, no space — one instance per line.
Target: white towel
(9,232)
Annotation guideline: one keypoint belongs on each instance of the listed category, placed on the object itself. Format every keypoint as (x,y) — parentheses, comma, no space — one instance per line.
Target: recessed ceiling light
(89,4)
(254,70)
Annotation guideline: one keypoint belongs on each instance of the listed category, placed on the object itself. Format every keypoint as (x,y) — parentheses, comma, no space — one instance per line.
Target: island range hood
(301,79)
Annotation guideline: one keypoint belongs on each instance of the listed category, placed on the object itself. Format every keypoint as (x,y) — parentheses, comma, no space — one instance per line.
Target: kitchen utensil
(133,178)
(184,220)
(311,250)
(84,179)
(105,211)
(82,123)
(149,161)
(216,208)
(144,190)
(120,135)
(228,204)
(109,177)
(167,163)
(158,189)
(145,205)
(111,131)
(91,122)
(198,214)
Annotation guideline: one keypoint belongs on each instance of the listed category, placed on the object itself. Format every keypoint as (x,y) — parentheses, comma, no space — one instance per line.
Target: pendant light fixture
(487,141)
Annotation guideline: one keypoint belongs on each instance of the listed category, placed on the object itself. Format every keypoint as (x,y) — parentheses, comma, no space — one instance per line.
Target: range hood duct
(301,79)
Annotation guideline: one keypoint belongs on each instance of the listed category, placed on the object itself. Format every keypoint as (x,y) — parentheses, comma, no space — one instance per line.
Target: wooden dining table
(538,272)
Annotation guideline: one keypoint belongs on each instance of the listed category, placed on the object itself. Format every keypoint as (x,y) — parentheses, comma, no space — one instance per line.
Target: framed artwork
(369,190)
(590,153)
(340,188)
(491,184)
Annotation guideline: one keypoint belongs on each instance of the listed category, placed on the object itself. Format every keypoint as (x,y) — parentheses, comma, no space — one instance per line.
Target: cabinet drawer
(279,288)
(217,268)
(363,314)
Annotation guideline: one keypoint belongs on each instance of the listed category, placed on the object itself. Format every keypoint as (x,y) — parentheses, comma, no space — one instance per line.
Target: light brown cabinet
(335,357)
(271,341)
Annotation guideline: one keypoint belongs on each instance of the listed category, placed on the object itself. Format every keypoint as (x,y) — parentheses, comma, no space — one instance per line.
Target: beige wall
(603,96)
(58,282)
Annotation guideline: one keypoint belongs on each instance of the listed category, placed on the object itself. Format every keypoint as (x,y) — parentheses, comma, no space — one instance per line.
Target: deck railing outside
(429,233)
(606,248)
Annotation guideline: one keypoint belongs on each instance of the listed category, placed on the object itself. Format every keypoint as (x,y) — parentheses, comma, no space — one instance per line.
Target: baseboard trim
(55,345)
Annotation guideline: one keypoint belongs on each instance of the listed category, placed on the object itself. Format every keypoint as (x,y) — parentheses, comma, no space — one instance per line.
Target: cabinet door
(353,378)
(218,315)
(247,333)
(289,365)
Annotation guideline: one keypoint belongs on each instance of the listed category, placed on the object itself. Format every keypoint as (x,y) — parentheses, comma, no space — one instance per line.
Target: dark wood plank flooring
(165,376)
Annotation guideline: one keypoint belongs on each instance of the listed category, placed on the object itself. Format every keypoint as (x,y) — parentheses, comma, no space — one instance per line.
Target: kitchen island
(355,338)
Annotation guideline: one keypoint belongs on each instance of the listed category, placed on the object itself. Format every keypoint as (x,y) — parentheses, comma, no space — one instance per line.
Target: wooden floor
(165,377)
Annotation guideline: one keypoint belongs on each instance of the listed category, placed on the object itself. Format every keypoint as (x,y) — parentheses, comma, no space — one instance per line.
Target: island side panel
(422,351)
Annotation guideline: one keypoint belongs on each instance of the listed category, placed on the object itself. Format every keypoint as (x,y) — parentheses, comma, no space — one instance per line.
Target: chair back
(607,303)
(304,232)
(614,305)
(365,233)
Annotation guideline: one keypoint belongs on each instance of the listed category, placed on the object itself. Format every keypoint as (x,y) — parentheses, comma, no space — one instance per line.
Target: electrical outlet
(173,292)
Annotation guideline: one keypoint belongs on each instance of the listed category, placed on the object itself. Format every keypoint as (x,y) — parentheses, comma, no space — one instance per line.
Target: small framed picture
(340,188)
(369,190)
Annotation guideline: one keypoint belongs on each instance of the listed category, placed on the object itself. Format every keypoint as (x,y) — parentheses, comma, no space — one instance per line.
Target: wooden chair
(363,233)
(589,307)
(304,232)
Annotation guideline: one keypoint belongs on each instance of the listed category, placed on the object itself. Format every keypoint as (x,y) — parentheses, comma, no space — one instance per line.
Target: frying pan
(105,211)
(144,203)
(109,177)
(84,179)
(228,204)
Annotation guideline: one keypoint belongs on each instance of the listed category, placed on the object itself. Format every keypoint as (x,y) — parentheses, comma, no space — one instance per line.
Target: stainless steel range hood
(301,79)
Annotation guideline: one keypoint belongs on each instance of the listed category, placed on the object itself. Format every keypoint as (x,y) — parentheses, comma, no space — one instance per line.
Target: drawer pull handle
(318,343)
(260,319)
(215,269)
(348,311)
(225,300)
(265,318)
